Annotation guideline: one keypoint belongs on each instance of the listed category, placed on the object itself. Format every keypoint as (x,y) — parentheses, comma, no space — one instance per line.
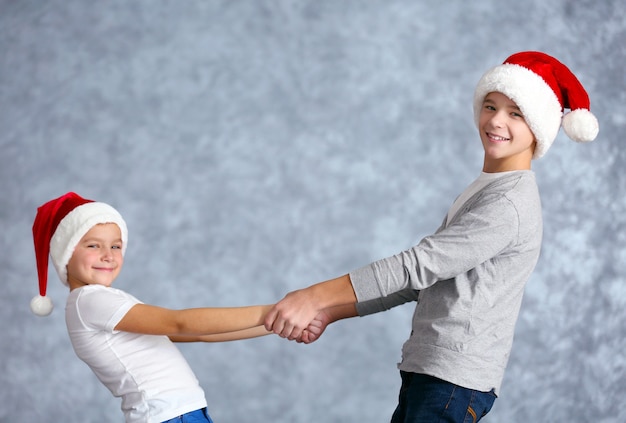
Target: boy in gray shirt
(468,277)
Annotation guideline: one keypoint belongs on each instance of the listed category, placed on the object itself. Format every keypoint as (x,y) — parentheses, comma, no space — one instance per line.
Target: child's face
(97,259)
(508,141)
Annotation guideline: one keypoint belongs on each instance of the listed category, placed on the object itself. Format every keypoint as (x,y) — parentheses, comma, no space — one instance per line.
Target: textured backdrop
(256,147)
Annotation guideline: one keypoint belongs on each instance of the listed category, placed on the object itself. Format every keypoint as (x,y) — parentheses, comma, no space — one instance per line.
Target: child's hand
(315,328)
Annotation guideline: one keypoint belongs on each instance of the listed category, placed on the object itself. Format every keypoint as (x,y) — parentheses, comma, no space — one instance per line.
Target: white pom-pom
(580,125)
(41,306)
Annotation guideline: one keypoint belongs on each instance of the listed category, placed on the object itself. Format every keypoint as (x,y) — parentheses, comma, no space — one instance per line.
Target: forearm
(152,320)
(377,305)
(248,333)
(209,321)
(340,312)
(332,293)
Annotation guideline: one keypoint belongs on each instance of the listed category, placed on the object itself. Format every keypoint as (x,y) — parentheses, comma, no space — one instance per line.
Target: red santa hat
(59,226)
(542,87)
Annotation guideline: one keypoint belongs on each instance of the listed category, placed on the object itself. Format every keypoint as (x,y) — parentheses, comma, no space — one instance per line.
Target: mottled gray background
(255,147)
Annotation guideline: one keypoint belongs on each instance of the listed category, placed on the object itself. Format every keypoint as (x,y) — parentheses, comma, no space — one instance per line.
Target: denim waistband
(196,416)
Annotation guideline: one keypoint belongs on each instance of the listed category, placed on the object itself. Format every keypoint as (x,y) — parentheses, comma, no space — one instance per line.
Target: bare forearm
(208,321)
(248,333)
(332,293)
(152,320)
(345,311)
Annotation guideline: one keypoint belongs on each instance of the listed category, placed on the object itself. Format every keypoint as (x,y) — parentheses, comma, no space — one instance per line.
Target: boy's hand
(315,328)
(294,313)
(291,315)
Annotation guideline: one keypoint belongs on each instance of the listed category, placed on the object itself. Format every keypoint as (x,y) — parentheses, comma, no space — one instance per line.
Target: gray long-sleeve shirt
(468,279)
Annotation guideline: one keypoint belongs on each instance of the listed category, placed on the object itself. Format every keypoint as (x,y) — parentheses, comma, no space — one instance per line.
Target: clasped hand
(295,317)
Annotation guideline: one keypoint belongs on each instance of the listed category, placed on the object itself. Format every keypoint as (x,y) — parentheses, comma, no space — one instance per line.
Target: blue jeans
(427,399)
(198,416)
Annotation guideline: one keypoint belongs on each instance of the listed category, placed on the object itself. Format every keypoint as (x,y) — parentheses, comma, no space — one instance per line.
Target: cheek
(524,129)
(482,119)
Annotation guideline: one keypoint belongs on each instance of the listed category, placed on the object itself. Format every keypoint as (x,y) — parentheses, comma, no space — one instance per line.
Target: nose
(497,120)
(107,255)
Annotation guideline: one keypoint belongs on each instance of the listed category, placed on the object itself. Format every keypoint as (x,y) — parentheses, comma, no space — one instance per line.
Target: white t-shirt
(148,372)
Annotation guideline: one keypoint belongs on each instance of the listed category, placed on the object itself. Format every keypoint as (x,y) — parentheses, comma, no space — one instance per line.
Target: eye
(489,107)
(117,247)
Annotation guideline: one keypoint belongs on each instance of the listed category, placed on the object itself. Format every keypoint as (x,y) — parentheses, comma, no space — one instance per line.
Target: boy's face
(97,259)
(508,141)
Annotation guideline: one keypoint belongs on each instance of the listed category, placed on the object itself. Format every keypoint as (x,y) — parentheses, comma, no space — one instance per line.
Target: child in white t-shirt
(126,343)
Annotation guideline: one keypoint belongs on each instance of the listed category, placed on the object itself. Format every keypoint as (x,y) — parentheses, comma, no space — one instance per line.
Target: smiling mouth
(497,138)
